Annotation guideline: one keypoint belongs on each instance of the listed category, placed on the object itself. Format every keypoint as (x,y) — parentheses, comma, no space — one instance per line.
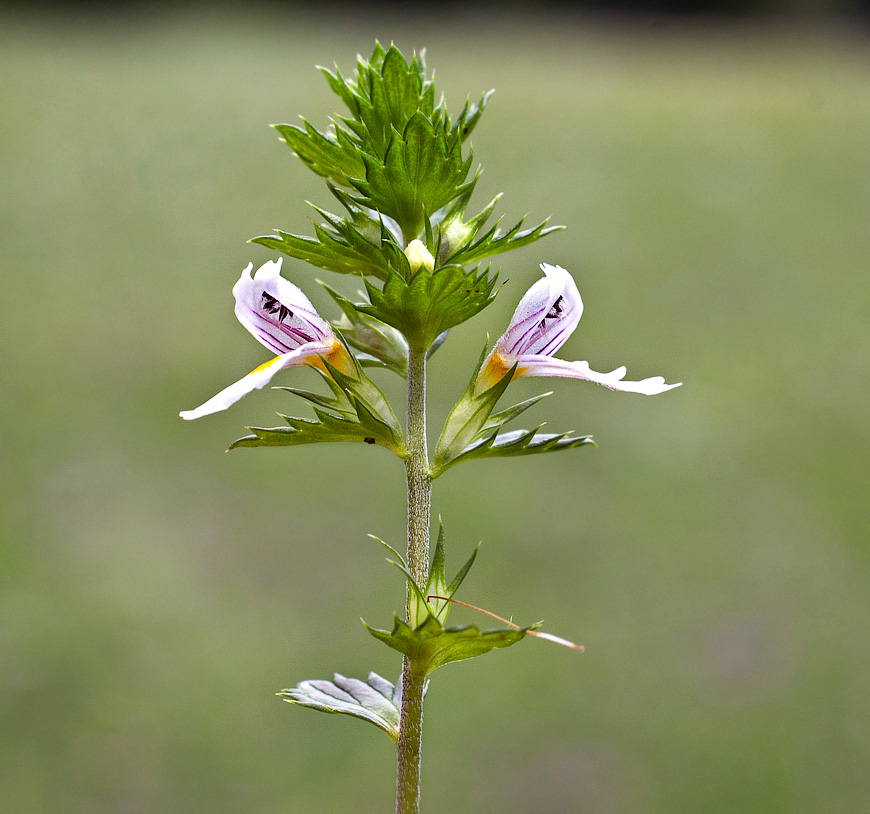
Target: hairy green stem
(408,750)
(417,470)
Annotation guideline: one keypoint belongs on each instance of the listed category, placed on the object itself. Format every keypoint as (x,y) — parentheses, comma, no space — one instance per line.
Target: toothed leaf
(432,645)
(437,583)
(493,242)
(419,173)
(326,428)
(359,412)
(421,605)
(325,155)
(470,116)
(518,442)
(345,252)
(431,303)
(365,333)
(375,700)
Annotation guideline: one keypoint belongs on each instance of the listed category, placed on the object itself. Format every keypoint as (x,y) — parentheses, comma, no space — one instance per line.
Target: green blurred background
(711,553)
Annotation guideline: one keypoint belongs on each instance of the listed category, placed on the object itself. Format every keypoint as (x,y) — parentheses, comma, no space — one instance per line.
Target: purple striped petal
(546,316)
(279,316)
(275,311)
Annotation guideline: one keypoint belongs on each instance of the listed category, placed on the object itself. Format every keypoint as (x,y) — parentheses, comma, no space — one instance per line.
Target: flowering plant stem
(399,168)
(408,749)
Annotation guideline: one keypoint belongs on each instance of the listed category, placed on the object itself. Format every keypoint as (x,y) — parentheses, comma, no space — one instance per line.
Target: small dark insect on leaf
(369,440)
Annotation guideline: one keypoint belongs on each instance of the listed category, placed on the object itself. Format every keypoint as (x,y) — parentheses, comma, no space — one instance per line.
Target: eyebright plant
(401,170)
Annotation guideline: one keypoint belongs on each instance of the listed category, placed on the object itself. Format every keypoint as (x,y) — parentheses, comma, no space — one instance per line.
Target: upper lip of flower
(547,315)
(281,318)
(276,312)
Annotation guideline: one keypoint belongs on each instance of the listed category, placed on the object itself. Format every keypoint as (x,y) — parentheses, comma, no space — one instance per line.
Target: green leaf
(453,587)
(418,607)
(386,92)
(472,429)
(364,394)
(369,226)
(339,245)
(453,233)
(459,240)
(336,403)
(371,336)
(468,419)
(326,428)
(500,418)
(392,91)
(420,172)
(431,302)
(335,158)
(467,120)
(342,87)
(518,442)
(431,645)
(358,412)
(399,89)
(378,56)
(376,700)
(494,242)
(332,255)
(436,586)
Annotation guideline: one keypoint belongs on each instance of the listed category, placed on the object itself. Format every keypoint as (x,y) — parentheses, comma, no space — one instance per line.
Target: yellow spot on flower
(337,356)
(494,371)
(264,365)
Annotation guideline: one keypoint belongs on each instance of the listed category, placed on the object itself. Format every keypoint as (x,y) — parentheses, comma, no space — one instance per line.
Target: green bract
(431,645)
(399,165)
(375,342)
(434,601)
(472,429)
(357,411)
(427,303)
(424,638)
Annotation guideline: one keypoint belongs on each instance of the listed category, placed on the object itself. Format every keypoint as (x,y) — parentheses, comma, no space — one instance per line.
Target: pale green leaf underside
(376,700)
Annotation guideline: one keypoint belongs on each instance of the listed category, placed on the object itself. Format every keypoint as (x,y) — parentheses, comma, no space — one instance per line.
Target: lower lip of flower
(263,366)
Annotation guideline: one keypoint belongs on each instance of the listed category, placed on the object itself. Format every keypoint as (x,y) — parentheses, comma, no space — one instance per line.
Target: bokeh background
(711,553)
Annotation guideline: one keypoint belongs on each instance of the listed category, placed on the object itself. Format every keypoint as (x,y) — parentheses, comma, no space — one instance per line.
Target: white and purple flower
(546,316)
(281,317)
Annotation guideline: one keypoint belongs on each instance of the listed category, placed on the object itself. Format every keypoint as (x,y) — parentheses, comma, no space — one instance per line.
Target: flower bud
(419,256)
(454,236)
